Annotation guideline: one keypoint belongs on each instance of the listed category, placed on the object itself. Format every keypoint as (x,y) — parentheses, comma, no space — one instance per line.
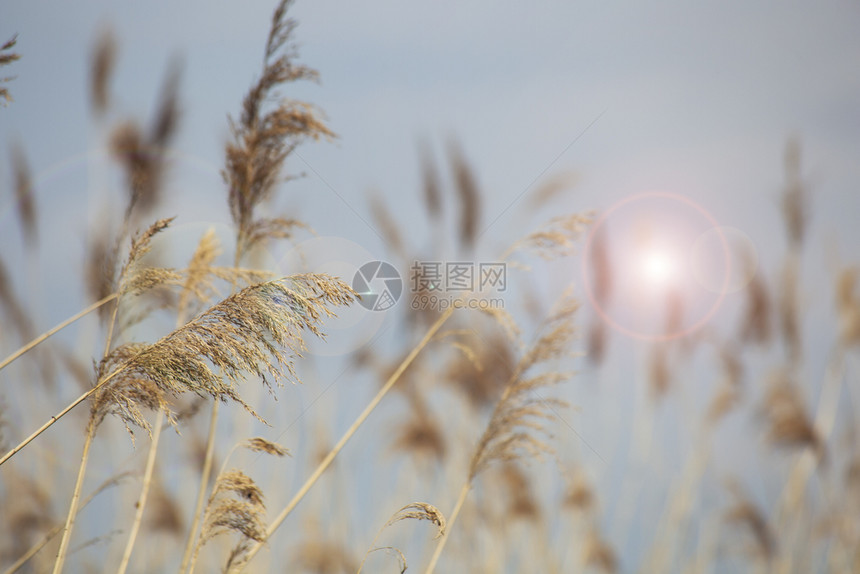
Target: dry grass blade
(101,69)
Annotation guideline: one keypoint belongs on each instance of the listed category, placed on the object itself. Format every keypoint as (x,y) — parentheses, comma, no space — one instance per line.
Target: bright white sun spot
(658,267)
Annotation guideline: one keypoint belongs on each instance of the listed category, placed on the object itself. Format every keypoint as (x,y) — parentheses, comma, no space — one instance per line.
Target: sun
(658,267)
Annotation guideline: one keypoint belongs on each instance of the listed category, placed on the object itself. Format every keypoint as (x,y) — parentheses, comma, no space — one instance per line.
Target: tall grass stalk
(56,329)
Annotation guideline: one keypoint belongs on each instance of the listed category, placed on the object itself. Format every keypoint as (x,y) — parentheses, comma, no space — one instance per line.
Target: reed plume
(517,425)
(7,56)
(101,69)
(263,139)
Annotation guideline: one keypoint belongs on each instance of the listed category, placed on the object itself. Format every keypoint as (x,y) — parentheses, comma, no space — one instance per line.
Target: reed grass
(465,409)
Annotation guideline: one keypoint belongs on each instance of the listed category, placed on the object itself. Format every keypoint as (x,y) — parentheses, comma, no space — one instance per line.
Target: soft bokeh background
(625,99)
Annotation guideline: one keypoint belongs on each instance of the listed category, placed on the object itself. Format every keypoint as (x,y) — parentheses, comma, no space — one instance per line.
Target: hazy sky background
(692,100)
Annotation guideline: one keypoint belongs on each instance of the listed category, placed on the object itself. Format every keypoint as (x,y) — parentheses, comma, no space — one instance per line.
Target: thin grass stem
(144,491)
(57,328)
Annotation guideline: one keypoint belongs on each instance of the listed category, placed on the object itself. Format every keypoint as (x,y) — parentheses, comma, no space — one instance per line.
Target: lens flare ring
(659,265)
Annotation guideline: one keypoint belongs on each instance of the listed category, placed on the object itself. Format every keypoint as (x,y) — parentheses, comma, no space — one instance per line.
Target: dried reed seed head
(724,401)
(201,276)
(230,515)
(579,495)
(101,70)
(521,501)
(598,554)
(420,435)
(259,444)
(24,195)
(795,201)
(387,226)
(420,511)
(323,556)
(518,421)
(674,312)
(126,397)
(554,239)
(430,183)
(102,268)
(235,505)
(27,512)
(846,294)
(257,330)
(508,324)
(483,376)
(789,307)
(468,193)
(6,58)
(659,372)
(550,188)
(12,308)
(756,322)
(597,342)
(743,512)
(262,140)
(241,485)
(730,362)
(164,513)
(601,270)
(848,306)
(136,277)
(197,286)
(788,423)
